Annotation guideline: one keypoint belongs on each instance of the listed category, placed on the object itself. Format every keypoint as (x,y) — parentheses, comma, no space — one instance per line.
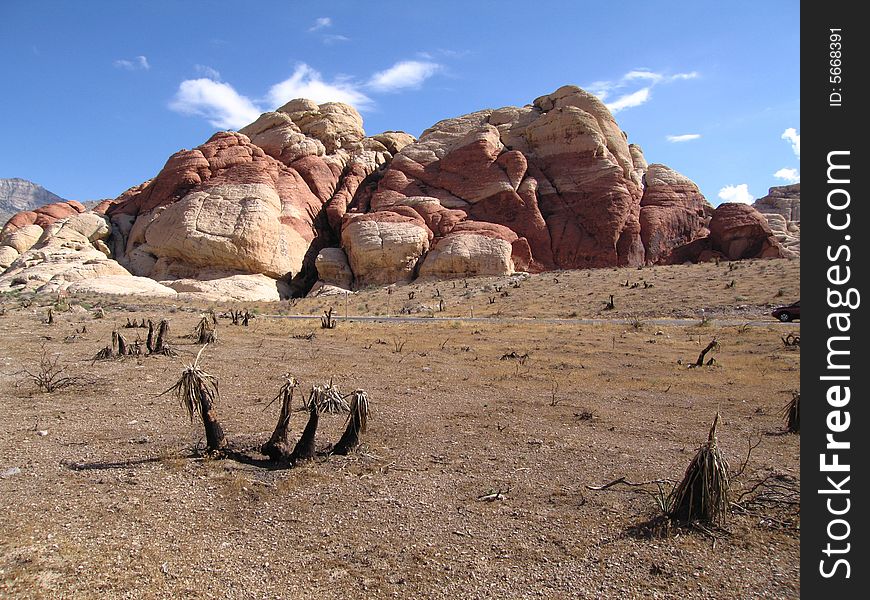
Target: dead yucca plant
(792,413)
(104,354)
(327,321)
(198,393)
(305,448)
(161,346)
(205,331)
(278,447)
(702,495)
(328,398)
(356,423)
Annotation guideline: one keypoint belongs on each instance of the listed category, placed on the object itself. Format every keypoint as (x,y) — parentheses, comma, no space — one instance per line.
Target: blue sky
(97,95)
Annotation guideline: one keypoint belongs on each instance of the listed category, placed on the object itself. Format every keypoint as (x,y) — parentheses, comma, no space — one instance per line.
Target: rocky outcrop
(559,173)
(782,209)
(17,195)
(303,195)
(783,200)
(673,212)
(787,233)
(69,251)
(737,231)
(43,215)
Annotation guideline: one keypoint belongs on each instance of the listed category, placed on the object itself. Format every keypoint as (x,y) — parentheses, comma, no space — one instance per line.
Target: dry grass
(112,502)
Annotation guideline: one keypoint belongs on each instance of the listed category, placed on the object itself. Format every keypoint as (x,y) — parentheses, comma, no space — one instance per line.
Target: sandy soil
(473,480)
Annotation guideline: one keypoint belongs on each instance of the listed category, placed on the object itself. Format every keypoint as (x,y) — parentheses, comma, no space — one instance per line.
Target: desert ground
(475,476)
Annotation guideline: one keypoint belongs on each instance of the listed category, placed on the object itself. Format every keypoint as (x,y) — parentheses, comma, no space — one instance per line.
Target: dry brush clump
(305,448)
(50,375)
(791,412)
(327,397)
(702,495)
(205,331)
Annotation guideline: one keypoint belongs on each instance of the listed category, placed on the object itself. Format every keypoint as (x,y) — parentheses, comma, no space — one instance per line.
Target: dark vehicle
(788,313)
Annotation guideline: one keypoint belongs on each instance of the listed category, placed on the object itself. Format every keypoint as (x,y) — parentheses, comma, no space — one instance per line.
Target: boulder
(384,247)
(231,226)
(8,254)
(238,287)
(333,268)
(121,285)
(739,231)
(673,212)
(466,255)
(22,239)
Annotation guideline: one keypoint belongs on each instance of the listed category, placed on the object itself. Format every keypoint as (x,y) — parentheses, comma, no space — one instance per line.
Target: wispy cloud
(224,107)
(208,72)
(140,63)
(321,23)
(736,193)
(218,102)
(686,137)
(334,39)
(629,99)
(794,138)
(403,74)
(788,175)
(306,82)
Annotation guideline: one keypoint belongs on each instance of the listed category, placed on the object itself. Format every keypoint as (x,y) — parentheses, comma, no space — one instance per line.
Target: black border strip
(833,110)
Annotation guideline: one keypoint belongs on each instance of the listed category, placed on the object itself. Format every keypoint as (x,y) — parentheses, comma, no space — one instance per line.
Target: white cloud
(686,137)
(403,74)
(218,102)
(321,23)
(794,138)
(788,175)
(305,82)
(736,193)
(645,77)
(140,63)
(642,74)
(631,100)
(334,39)
(224,107)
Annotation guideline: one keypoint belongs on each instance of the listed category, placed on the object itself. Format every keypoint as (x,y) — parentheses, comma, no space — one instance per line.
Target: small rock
(42,432)
(10,472)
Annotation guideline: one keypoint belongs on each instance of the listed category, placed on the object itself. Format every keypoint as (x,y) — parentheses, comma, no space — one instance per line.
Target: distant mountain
(19,194)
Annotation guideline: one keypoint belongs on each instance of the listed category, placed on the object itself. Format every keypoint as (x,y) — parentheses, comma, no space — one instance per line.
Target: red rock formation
(673,212)
(44,215)
(552,185)
(740,231)
(737,231)
(559,174)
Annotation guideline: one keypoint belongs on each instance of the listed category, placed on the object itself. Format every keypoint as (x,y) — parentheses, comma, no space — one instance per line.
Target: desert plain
(498,404)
